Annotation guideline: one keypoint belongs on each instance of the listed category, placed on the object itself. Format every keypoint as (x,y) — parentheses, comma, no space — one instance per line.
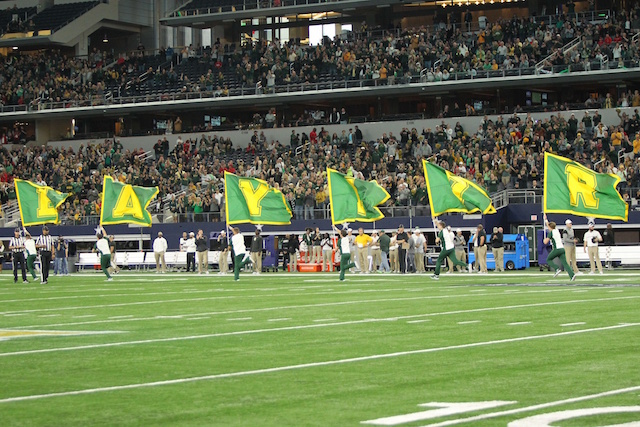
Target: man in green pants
(445,239)
(102,246)
(241,256)
(32,252)
(558,250)
(345,253)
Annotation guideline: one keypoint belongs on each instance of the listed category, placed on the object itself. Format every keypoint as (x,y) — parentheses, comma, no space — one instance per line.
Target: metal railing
(99,100)
(566,48)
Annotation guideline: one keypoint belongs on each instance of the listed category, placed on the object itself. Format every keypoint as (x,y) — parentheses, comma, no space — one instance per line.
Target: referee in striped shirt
(45,244)
(16,245)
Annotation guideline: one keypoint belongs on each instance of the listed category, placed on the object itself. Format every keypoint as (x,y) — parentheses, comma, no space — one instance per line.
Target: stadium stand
(58,15)
(506,48)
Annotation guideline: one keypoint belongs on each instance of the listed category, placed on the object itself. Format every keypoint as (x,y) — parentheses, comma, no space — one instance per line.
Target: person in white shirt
(591,239)
(445,239)
(419,242)
(32,252)
(240,255)
(393,253)
(376,254)
(345,250)
(352,248)
(183,242)
(190,248)
(102,247)
(159,249)
(327,252)
(558,250)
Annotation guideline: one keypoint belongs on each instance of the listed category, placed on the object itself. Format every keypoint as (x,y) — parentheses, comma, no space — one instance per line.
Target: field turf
(307,350)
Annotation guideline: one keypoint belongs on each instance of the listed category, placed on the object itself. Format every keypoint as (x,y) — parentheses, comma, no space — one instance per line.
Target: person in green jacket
(32,252)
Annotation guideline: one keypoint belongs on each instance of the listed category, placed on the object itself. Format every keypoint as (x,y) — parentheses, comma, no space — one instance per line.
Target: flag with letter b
(38,204)
(572,188)
(125,203)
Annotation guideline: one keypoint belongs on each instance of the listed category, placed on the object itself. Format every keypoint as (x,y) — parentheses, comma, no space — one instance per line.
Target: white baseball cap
(417,229)
(567,222)
(459,230)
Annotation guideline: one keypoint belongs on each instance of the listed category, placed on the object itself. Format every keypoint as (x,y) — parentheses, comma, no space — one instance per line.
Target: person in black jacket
(223,261)
(256,252)
(202,252)
(293,249)
(497,246)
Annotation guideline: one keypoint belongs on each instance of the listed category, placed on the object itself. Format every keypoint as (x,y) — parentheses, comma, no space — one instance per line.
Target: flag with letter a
(251,200)
(451,193)
(353,199)
(572,188)
(38,204)
(125,203)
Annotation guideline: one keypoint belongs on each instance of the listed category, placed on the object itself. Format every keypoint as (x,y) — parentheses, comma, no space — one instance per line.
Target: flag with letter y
(38,204)
(353,199)
(254,201)
(125,203)
(572,188)
(451,193)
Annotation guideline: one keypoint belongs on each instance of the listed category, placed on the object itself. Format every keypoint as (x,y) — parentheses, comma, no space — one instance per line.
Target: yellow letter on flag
(45,207)
(253,196)
(582,184)
(127,204)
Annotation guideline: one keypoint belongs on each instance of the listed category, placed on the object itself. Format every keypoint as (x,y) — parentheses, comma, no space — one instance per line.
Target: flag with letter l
(572,188)
(125,203)
(254,201)
(353,199)
(38,204)
(451,193)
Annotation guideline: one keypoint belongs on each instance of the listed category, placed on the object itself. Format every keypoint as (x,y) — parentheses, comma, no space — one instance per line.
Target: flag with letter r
(572,188)
(125,203)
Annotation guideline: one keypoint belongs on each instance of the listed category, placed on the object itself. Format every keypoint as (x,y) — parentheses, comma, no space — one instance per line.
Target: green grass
(308,350)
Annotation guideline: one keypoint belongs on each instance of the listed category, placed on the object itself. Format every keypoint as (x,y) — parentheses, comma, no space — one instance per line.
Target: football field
(512,349)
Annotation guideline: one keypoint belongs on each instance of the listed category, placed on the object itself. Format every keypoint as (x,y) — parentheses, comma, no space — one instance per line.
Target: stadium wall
(370,130)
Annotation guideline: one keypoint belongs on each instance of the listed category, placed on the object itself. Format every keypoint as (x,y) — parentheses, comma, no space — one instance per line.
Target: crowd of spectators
(506,153)
(398,56)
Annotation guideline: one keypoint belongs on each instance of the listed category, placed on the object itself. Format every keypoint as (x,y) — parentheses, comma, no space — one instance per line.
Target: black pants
(402,257)
(285,261)
(191,261)
(18,257)
(45,260)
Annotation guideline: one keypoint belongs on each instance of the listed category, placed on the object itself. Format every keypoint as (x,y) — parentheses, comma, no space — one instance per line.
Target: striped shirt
(17,243)
(46,242)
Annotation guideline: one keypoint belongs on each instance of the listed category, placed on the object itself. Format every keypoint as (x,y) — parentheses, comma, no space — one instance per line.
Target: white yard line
(325,363)
(238,319)
(535,407)
(198,318)
(469,322)
(419,321)
(328,304)
(518,323)
(297,327)
(280,319)
(573,324)
(325,320)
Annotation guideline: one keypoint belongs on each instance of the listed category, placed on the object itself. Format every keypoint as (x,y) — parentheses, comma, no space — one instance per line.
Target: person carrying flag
(32,252)
(445,239)
(240,254)
(102,247)
(558,249)
(345,252)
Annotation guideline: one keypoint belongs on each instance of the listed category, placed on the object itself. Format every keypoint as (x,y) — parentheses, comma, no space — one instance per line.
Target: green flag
(254,201)
(38,204)
(125,203)
(451,193)
(572,188)
(353,199)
